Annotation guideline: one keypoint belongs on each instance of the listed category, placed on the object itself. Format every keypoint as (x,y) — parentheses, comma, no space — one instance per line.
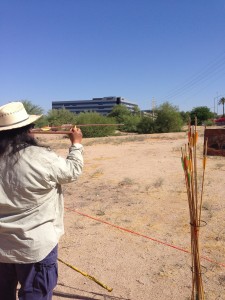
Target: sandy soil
(137,183)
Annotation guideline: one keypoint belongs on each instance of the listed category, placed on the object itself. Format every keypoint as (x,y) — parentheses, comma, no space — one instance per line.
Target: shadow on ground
(91,297)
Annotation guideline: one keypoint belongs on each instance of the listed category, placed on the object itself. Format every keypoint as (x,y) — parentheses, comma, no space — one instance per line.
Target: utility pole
(216,104)
(214,111)
(153,107)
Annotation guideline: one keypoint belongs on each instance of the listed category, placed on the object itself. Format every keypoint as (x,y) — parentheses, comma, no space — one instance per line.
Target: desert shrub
(168,119)
(34,109)
(130,123)
(209,123)
(57,117)
(185,116)
(119,113)
(95,118)
(43,121)
(146,125)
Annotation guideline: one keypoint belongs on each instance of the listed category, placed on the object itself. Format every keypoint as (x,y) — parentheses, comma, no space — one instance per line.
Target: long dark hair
(11,141)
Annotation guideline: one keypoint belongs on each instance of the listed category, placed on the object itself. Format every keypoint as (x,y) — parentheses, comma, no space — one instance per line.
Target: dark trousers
(37,280)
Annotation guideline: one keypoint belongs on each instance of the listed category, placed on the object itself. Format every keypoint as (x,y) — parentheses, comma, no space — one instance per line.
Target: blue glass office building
(100,105)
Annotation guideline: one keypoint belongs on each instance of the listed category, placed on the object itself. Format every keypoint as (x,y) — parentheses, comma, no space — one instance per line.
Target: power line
(214,68)
(200,89)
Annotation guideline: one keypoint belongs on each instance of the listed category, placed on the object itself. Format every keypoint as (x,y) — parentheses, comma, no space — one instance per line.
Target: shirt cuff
(77,145)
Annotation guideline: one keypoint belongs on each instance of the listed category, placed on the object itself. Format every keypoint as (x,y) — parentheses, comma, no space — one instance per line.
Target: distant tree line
(166,118)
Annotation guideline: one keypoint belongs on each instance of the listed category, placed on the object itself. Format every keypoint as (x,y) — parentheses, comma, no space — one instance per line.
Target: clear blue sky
(169,50)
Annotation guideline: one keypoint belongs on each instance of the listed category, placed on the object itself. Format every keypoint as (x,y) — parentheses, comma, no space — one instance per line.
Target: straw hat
(13,115)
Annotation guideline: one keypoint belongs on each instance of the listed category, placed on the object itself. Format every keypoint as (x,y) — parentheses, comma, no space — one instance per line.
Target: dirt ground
(127,221)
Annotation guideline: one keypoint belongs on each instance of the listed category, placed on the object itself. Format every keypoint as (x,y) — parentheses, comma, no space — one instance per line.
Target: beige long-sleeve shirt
(31,201)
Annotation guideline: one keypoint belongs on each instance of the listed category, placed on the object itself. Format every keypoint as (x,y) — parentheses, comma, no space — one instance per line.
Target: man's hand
(75,135)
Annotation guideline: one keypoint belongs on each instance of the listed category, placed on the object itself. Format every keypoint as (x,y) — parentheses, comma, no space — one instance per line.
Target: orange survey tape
(144,236)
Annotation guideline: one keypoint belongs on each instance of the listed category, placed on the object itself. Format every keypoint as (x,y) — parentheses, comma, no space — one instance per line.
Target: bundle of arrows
(195,197)
(65,129)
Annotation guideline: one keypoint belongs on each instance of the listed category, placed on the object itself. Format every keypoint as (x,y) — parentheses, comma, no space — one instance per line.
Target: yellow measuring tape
(86,275)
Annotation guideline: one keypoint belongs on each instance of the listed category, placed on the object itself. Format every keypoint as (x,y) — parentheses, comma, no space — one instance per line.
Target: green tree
(123,115)
(31,108)
(146,125)
(168,118)
(185,116)
(202,113)
(136,111)
(222,102)
(57,117)
(130,123)
(96,118)
(119,113)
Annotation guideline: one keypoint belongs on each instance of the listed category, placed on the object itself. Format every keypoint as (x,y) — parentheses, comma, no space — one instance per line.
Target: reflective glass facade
(100,105)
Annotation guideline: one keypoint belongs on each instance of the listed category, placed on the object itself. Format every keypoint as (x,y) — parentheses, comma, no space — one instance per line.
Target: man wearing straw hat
(31,205)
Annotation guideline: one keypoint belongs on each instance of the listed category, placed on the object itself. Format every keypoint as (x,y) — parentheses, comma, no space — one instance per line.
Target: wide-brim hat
(14,115)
